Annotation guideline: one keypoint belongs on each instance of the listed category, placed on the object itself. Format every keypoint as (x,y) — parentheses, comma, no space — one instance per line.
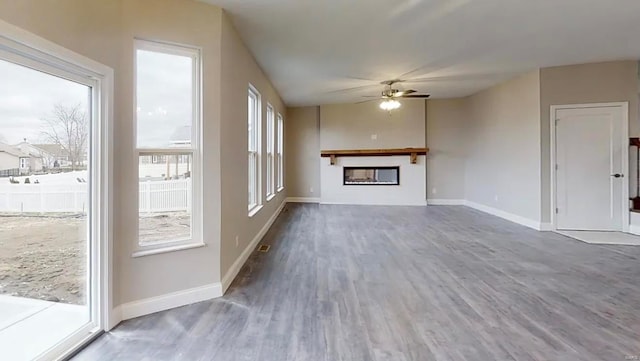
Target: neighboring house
(13,161)
(169,166)
(181,137)
(39,159)
(55,155)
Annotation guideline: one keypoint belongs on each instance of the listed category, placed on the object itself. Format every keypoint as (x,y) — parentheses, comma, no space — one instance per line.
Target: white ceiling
(336,51)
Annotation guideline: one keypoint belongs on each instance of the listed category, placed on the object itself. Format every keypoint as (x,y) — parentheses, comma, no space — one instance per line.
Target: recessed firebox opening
(383,176)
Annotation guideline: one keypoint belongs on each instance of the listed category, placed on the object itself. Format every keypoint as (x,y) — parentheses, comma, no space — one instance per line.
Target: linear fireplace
(386,176)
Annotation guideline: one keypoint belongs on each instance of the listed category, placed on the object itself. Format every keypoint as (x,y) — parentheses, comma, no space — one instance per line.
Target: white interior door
(589,153)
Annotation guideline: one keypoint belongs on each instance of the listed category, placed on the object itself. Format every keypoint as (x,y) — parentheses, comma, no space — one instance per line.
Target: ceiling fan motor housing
(389,93)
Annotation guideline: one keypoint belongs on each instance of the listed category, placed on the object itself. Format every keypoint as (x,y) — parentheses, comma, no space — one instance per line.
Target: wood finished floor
(404,283)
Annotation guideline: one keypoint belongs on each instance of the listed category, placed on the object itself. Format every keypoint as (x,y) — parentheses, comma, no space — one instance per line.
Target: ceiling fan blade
(418,96)
(366,101)
(402,93)
(371,96)
(352,89)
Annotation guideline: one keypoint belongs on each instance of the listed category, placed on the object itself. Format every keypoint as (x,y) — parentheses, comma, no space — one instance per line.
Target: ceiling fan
(390,94)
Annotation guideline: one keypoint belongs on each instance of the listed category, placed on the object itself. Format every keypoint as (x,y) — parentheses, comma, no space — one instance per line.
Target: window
(280,153)
(24,163)
(254,151)
(168,146)
(271,163)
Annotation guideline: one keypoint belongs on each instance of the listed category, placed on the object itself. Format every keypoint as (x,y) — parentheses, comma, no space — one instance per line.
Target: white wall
(366,126)
(411,190)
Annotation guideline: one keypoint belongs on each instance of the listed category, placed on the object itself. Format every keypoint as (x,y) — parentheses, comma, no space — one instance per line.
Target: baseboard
(634,229)
(505,215)
(303,200)
(170,300)
(546,227)
(446,202)
(417,204)
(115,317)
(237,265)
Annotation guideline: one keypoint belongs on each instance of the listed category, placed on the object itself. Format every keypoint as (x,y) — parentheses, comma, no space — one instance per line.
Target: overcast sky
(163,99)
(27,97)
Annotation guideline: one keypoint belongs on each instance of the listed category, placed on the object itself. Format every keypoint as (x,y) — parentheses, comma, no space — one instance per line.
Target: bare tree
(68,127)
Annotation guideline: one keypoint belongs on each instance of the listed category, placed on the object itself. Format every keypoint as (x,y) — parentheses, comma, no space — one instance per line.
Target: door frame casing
(624,106)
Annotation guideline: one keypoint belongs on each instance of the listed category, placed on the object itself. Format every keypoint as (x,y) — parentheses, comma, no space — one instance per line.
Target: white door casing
(589,167)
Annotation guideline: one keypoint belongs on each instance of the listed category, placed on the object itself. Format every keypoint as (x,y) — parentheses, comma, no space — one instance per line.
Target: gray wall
(303,162)
(503,138)
(239,69)
(350,126)
(446,140)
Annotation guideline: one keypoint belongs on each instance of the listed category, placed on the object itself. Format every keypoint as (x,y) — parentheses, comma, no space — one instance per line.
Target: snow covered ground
(54,178)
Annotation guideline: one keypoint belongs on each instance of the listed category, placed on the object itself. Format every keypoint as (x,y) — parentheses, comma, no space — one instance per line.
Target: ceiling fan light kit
(389,95)
(390,104)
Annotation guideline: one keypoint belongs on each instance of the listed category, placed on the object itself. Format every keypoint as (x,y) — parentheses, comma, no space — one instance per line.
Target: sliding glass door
(49,239)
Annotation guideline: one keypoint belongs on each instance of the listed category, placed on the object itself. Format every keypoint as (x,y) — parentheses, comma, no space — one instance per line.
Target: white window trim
(256,207)
(197,237)
(280,154)
(271,153)
(25,48)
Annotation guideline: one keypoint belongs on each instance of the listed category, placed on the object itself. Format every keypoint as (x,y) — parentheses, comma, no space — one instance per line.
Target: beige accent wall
(303,162)
(447,120)
(104,31)
(239,69)
(350,126)
(175,21)
(503,142)
(615,81)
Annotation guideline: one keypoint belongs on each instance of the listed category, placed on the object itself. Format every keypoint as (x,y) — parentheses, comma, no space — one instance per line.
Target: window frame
(271,148)
(280,154)
(195,150)
(256,139)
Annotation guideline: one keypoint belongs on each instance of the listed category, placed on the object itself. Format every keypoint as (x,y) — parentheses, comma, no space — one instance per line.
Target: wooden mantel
(412,152)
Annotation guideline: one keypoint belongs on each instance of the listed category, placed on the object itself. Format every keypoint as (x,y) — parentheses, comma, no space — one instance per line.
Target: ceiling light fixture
(390,104)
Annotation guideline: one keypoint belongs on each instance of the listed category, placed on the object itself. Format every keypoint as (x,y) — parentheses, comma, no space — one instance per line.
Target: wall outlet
(374,136)
(237,241)
(434,190)
(310,189)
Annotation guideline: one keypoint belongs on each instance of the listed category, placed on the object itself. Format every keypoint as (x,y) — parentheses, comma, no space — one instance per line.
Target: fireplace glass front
(372,176)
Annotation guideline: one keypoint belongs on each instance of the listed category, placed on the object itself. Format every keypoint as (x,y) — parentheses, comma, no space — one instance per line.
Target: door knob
(617,175)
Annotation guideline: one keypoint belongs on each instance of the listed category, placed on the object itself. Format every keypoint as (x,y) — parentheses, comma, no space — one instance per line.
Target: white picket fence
(165,196)
(155,196)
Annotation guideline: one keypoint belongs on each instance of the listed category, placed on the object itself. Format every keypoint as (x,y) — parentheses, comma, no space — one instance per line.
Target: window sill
(254,210)
(166,249)
(270,197)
